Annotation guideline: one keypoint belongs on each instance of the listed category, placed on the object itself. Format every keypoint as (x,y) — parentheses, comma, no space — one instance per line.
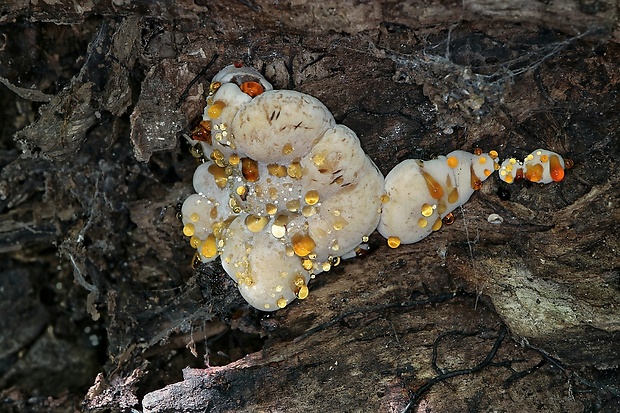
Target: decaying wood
(519,316)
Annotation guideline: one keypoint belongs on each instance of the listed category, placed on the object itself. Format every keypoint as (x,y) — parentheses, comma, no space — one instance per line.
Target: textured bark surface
(100,306)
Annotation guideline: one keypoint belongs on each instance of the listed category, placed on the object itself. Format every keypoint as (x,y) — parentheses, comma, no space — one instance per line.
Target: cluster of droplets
(541,166)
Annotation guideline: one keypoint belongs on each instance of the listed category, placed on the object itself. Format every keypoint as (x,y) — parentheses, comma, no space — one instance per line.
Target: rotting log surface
(96,288)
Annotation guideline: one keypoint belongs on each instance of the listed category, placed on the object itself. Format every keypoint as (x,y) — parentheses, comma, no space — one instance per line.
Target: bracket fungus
(283,192)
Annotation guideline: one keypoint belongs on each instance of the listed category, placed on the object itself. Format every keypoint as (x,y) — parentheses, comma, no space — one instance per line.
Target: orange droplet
(448,219)
(434,189)
(568,163)
(215,110)
(252,89)
(557,172)
(453,162)
(302,244)
(249,169)
(202,132)
(534,173)
(478,151)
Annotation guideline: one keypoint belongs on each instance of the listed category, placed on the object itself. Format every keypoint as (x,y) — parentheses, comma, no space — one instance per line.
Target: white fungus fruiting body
(284,191)
(420,193)
(541,166)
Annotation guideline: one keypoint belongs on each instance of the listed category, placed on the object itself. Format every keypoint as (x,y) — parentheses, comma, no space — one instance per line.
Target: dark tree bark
(99,303)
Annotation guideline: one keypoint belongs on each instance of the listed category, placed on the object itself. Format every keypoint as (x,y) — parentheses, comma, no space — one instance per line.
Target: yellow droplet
(188,229)
(303,244)
(437,225)
(194,217)
(482,160)
(422,223)
(493,154)
(277,170)
(287,149)
(393,242)
(326,266)
(281,303)
(271,209)
(209,247)
(453,162)
(307,264)
(312,197)
(256,223)
(214,86)
(302,292)
(234,159)
(308,210)
(294,170)
(454,196)
(213,213)
(293,205)
(219,174)
(385,198)
(216,109)
(195,242)
(427,210)
(278,231)
(241,190)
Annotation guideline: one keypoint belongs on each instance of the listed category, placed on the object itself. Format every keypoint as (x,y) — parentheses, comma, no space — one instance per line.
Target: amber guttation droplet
(555,167)
(311,197)
(249,169)
(303,244)
(454,196)
(434,189)
(478,151)
(493,154)
(393,242)
(277,170)
(234,159)
(252,89)
(519,174)
(209,247)
(188,230)
(301,289)
(294,170)
(216,109)
(214,86)
(437,225)
(238,64)
(453,162)
(195,242)
(544,158)
(568,163)
(422,223)
(476,183)
(281,303)
(201,133)
(427,210)
(448,219)
(219,174)
(256,223)
(534,173)
(287,149)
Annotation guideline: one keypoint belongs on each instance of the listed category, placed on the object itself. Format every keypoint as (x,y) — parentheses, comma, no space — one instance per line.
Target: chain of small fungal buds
(280,209)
